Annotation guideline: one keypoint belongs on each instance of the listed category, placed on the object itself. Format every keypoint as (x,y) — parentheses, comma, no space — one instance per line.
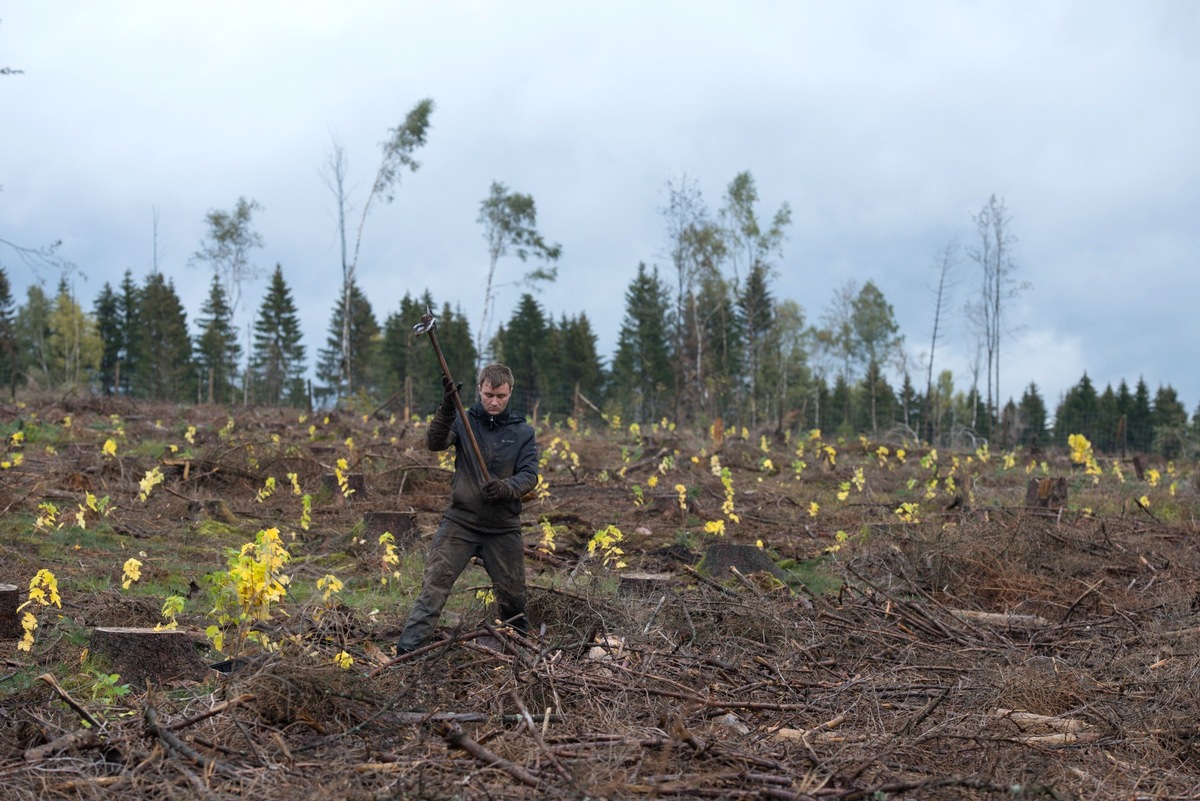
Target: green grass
(149,449)
(816,575)
(97,537)
(35,432)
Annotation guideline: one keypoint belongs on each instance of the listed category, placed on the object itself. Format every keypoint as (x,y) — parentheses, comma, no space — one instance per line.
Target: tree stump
(641,585)
(213,509)
(402,525)
(10,622)
(668,505)
(1139,467)
(354,481)
(139,654)
(746,558)
(1047,495)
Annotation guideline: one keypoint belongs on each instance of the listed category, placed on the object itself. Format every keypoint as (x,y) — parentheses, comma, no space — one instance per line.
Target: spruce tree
(756,310)
(524,348)
(642,373)
(163,351)
(407,364)
(841,406)
(1078,412)
(396,350)
(278,359)
(910,404)
(458,347)
(1031,413)
(1169,419)
(1124,409)
(108,325)
(217,347)
(581,365)
(8,337)
(129,310)
(1141,424)
(1107,418)
(364,338)
(1008,424)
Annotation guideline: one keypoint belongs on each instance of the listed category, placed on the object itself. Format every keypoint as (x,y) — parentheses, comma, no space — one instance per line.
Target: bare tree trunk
(488,299)
(946,261)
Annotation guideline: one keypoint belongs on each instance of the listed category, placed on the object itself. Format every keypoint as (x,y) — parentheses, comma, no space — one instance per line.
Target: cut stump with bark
(354,482)
(720,557)
(213,509)
(1046,495)
(402,525)
(668,506)
(10,622)
(138,654)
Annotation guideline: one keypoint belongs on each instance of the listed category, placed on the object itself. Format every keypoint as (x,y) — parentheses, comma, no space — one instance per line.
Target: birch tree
(945,262)
(397,157)
(753,246)
(509,221)
(696,250)
(227,248)
(993,254)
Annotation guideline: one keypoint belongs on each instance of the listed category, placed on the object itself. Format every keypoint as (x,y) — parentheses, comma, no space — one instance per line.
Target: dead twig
(173,743)
(74,741)
(453,734)
(71,702)
(208,713)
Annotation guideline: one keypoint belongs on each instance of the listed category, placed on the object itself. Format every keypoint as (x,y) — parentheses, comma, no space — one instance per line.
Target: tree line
(136,342)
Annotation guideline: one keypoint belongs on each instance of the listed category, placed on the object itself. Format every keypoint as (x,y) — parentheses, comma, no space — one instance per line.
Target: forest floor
(898,639)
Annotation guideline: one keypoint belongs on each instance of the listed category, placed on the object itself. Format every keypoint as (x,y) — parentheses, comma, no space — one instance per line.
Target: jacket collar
(491,421)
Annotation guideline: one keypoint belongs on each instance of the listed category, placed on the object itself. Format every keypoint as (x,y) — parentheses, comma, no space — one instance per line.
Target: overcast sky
(884,125)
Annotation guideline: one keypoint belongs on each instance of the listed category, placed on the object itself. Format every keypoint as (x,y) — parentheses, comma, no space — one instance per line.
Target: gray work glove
(498,491)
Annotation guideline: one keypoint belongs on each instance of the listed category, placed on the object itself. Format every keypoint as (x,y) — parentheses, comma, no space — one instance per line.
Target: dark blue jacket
(509,448)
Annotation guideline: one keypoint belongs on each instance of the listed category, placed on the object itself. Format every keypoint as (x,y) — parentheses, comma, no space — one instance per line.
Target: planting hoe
(428,325)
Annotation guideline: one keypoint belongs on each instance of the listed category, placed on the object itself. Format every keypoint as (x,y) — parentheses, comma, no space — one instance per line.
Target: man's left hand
(497,491)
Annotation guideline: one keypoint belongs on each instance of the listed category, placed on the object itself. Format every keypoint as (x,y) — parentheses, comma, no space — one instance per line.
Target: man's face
(494,398)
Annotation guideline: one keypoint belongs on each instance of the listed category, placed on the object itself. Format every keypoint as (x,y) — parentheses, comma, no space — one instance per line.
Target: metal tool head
(427,324)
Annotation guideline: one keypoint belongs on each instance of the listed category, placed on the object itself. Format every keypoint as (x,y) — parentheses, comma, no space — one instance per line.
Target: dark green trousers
(452,548)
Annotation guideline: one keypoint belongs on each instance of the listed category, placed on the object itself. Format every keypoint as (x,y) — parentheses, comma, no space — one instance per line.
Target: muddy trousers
(452,548)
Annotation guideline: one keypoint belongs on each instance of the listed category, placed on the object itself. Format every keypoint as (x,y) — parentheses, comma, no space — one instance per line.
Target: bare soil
(983,650)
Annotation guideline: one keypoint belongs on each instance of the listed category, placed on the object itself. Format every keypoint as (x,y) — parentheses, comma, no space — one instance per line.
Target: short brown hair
(497,375)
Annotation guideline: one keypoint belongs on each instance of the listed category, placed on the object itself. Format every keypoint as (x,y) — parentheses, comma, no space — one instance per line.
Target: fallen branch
(424,649)
(216,710)
(457,738)
(71,702)
(1028,720)
(1060,739)
(804,734)
(74,741)
(691,571)
(1012,621)
(173,743)
(466,717)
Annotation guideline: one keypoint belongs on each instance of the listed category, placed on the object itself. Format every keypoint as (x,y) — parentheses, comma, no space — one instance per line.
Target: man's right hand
(450,390)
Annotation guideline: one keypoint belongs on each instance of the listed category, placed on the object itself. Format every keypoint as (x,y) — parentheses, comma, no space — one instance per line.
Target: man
(484,517)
